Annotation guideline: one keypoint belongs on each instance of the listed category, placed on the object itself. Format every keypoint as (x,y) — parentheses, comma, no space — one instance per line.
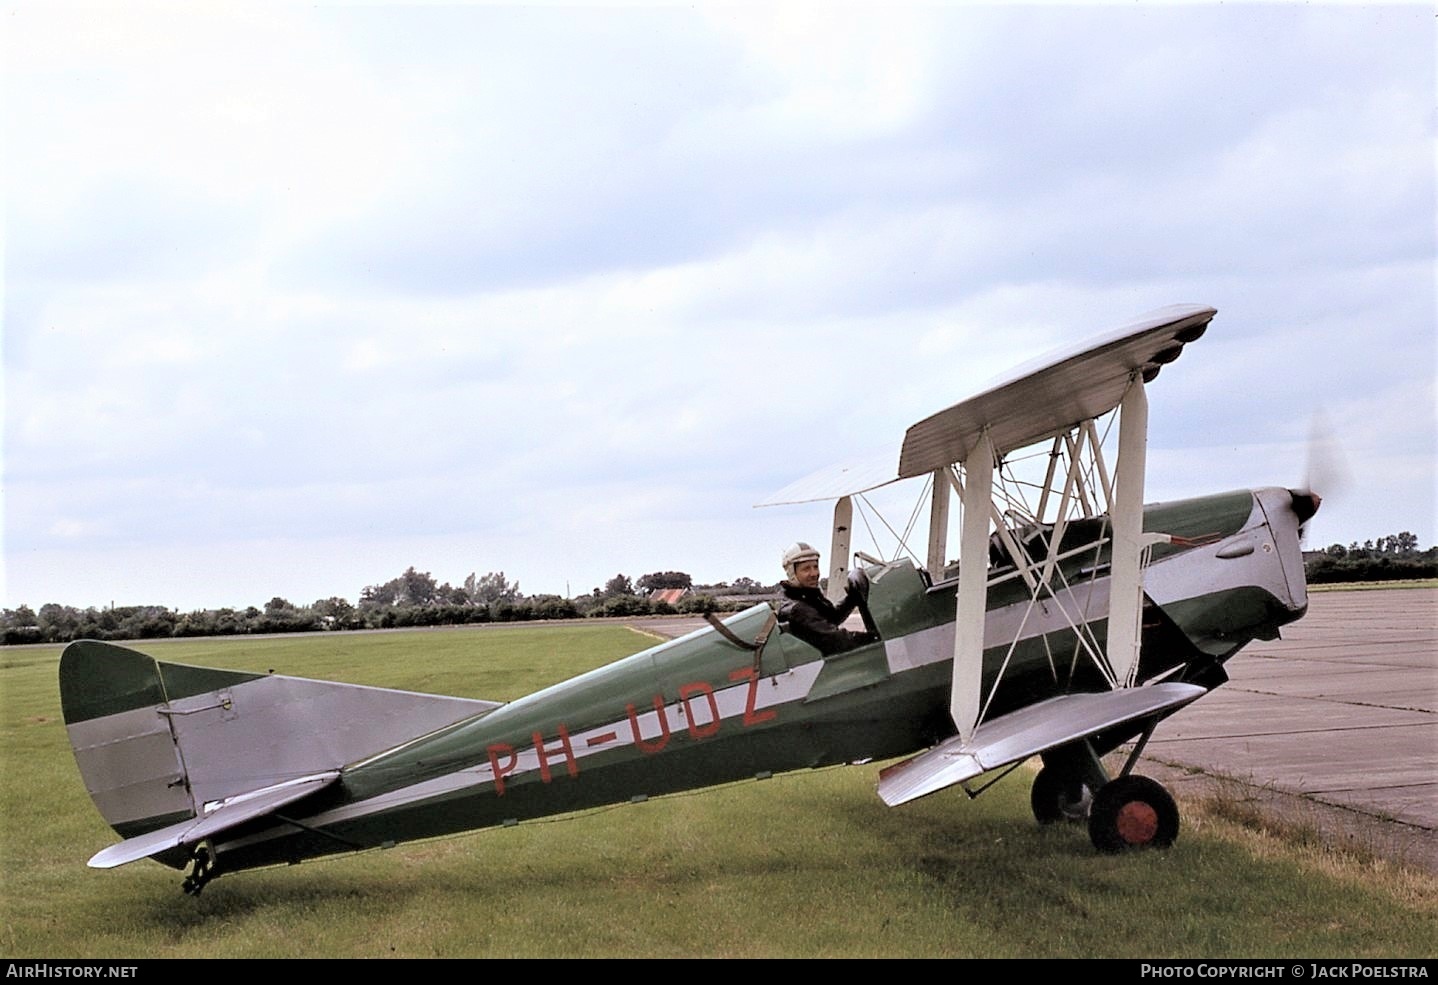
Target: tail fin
(160,743)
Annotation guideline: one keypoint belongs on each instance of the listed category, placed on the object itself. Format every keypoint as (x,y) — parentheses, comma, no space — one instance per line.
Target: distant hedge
(1328,570)
(63,624)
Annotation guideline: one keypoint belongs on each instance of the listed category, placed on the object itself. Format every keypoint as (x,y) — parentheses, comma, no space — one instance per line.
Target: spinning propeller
(1326,469)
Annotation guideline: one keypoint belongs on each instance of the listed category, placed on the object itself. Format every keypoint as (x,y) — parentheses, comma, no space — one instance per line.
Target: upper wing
(1042,398)
(1027,732)
(838,481)
(1055,392)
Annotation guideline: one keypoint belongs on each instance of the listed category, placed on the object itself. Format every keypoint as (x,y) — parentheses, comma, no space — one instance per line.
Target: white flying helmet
(797,552)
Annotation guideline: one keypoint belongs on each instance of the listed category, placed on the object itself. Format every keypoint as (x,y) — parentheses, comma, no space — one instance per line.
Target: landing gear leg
(203,870)
(1059,796)
(1063,789)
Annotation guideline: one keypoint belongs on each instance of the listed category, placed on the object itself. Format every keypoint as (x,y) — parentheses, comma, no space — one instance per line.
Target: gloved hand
(856,584)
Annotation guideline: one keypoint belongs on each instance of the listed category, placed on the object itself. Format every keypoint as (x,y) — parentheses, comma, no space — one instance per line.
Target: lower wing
(1027,732)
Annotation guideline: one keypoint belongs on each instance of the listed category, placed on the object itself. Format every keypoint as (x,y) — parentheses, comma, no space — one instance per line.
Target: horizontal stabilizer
(217,817)
(1027,732)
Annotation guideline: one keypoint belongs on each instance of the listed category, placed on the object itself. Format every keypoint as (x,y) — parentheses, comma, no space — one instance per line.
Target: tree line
(413,599)
(1395,557)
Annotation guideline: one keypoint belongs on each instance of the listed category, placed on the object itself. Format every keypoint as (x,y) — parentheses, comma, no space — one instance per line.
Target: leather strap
(757,646)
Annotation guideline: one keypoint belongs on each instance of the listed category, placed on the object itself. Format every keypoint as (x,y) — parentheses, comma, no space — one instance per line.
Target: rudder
(114,701)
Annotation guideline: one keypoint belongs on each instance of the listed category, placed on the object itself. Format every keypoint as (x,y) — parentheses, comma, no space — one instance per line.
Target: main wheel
(1056,796)
(1132,812)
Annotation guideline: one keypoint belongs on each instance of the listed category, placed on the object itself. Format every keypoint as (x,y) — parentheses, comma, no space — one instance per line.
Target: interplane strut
(1076,486)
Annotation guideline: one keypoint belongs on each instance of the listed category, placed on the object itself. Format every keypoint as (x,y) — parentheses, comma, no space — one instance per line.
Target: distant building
(669,595)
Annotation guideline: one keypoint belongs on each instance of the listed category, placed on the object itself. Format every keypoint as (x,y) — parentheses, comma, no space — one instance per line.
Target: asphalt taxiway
(1335,726)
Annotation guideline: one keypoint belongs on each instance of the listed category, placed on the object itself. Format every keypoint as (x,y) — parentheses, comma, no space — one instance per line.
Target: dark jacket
(815,620)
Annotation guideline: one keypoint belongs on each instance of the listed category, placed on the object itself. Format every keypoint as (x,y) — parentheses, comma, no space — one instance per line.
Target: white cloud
(834,73)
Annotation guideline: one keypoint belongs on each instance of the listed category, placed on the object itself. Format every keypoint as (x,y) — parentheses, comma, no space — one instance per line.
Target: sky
(297,296)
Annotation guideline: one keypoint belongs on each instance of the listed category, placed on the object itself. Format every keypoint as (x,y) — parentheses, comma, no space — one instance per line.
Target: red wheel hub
(1137,823)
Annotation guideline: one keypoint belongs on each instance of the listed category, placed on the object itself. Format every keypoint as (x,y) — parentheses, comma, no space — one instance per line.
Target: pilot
(810,615)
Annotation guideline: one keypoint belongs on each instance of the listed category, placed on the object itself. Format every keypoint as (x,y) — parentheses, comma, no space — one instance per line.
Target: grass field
(808,864)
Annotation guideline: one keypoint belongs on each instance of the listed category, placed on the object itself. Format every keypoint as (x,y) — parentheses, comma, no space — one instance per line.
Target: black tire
(1056,796)
(1132,812)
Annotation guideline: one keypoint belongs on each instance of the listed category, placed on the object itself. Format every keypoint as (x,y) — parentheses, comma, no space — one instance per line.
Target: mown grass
(808,864)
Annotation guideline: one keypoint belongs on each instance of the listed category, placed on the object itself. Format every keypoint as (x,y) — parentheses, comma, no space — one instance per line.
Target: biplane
(1075,620)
